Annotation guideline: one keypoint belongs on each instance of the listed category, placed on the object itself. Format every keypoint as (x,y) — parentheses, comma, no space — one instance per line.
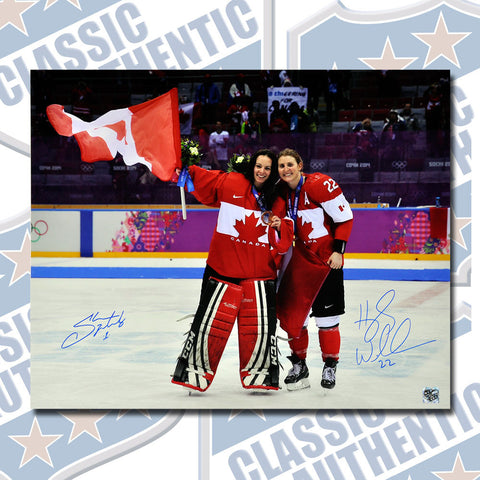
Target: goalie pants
(222,301)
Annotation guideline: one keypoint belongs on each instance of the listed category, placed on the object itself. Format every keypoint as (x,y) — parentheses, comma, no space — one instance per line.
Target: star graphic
(84,422)
(458,472)
(11,12)
(441,43)
(464,311)
(122,413)
(35,444)
(21,259)
(388,60)
(457,225)
(235,413)
(75,3)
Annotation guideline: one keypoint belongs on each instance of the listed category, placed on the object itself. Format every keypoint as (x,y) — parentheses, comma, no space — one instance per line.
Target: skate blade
(327,386)
(300,385)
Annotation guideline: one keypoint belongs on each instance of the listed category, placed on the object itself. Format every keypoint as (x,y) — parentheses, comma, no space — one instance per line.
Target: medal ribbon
(185,178)
(260,199)
(293,210)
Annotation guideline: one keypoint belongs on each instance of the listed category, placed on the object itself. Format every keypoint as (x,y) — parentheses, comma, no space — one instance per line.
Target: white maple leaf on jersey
(337,208)
(230,214)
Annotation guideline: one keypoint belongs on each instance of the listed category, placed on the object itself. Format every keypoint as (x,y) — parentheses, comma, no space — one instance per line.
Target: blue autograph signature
(384,335)
(92,325)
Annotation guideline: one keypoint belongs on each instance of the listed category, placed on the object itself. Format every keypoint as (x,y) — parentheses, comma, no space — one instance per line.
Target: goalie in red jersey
(313,278)
(240,275)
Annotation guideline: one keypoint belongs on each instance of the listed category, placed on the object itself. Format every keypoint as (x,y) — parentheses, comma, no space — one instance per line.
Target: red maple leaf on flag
(307,229)
(248,229)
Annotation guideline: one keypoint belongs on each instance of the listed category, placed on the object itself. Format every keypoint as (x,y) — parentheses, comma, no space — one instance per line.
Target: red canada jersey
(323,214)
(242,246)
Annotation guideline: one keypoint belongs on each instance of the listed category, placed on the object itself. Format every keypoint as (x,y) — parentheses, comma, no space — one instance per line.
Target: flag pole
(184,206)
(182,178)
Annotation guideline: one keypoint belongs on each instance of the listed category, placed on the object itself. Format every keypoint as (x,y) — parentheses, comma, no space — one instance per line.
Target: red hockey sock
(329,339)
(299,345)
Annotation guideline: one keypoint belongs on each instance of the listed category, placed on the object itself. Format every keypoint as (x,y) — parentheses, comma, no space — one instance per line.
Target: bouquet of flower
(190,151)
(190,155)
(238,163)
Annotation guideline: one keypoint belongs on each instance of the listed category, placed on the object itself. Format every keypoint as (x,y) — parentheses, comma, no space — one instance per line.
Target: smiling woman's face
(262,170)
(289,170)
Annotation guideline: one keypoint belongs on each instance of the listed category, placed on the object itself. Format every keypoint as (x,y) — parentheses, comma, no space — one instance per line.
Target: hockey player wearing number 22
(313,278)
(251,234)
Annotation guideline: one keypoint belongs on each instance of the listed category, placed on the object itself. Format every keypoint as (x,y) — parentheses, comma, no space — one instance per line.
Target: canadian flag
(148,133)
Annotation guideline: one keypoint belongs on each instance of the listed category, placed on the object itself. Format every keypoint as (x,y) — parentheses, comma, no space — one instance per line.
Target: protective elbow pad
(208,335)
(257,325)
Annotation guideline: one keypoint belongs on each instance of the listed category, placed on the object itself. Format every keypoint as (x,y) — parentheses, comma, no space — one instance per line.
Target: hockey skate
(328,374)
(297,377)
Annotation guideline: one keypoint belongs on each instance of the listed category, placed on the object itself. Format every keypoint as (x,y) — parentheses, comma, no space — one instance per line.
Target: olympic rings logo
(399,164)
(39,229)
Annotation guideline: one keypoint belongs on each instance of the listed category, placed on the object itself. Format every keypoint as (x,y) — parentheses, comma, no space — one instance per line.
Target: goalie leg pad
(208,335)
(257,341)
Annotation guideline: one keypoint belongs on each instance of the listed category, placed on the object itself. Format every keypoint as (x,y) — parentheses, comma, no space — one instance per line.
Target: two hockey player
(245,253)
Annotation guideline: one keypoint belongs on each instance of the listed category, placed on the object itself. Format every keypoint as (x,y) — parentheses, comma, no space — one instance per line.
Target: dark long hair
(269,191)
